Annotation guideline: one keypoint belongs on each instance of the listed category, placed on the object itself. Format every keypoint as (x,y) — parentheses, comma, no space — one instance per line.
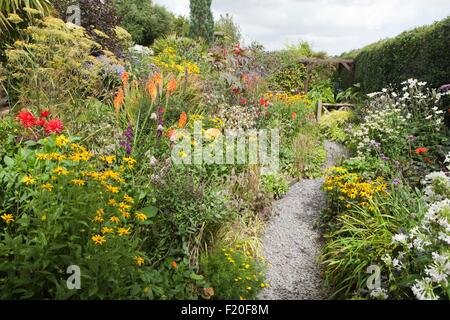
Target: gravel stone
(291,244)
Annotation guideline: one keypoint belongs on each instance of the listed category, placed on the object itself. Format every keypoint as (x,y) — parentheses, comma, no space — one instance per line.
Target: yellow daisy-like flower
(114,219)
(126,215)
(128,199)
(123,231)
(78,182)
(99,219)
(123,206)
(112,189)
(130,162)
(47,186)
(106,230)
(60,171)
(28,180)
(7,217)
(109,174)
(100,211)
(98,239)
(77,147)
(139,261)
(112,202)
(141,216)
(57,156)
(61,141)
(43,156)
(76,157)
(108,159)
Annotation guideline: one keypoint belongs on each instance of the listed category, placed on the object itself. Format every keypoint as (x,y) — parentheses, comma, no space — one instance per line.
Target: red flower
(45,114)
(428,160)
(26,118)
(243,101)
(263,102)
(235,90)
(421,150)
(41,123)
(54,126)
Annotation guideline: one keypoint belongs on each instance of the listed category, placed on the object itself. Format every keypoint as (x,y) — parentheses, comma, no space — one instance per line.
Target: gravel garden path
(291,244)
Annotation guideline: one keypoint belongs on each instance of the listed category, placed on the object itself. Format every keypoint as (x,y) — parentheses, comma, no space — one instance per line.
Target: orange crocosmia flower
(183,120)
(172,86)
(174,264)
(124,78)
(152,90)
(119,100)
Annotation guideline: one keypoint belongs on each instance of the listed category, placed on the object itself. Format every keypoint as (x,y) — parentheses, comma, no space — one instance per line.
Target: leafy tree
(202,21)
(144,20)
(230,29)
(96,15)
(181,26)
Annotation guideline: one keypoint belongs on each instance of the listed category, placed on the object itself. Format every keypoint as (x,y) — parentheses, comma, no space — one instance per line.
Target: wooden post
(319,110)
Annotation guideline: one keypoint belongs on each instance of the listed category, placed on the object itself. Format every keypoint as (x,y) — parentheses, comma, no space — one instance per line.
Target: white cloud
(334,26)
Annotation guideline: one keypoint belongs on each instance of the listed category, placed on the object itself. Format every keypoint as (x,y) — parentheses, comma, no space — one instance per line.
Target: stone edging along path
(291,245)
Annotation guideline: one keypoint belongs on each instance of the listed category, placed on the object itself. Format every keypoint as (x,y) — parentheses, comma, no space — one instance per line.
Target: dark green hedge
(422,53)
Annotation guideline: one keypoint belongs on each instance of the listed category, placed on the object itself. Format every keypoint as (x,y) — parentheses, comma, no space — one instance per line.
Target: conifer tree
(202,21)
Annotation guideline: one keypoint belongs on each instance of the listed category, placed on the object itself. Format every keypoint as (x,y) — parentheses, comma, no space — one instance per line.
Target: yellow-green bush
(52,66)
(332,125)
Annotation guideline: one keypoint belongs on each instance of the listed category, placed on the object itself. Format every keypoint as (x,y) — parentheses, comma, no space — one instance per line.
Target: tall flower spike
(152,90)
(119,100)
(183,120)
(171,86)
(124,78)
(158,80)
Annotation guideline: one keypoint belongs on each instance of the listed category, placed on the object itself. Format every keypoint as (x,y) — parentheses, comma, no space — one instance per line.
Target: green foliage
(228,27)
(144,20)
(333,125)
(234,274)
(276,185)
(57,208)
(18,13)
(202,21)
(309,153)
(421,53)
(52,67)
(100,20)
(364,236)
(286,73)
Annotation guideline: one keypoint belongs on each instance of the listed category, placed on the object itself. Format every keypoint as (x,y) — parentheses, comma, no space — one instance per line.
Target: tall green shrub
(202,21)
(421,53)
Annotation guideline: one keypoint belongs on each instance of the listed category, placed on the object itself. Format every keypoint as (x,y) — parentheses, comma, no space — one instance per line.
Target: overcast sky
(334,26)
